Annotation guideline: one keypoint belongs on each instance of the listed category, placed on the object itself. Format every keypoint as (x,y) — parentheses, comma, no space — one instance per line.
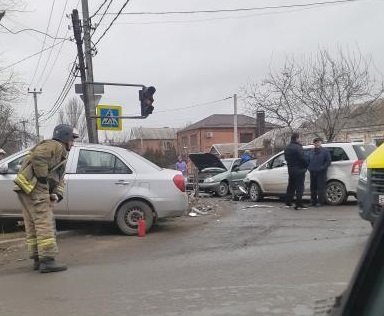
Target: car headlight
(209,180)
(364,172)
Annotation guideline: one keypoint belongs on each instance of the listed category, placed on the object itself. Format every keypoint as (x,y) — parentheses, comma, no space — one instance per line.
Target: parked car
(271,177)
(215,175)
(370,189)
(105,183)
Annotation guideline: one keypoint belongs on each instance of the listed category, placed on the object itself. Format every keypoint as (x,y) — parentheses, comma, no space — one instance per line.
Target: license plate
(381,199)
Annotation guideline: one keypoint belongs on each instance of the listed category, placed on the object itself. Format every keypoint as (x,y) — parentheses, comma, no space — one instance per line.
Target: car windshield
(227,163)
(363,151)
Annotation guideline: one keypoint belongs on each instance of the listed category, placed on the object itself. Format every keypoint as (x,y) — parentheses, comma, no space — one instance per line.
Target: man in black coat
(297,166)
(319,161)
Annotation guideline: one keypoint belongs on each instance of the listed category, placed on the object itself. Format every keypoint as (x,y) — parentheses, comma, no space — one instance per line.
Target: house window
(193,140)
(184,141)
(167,145)
(246,137)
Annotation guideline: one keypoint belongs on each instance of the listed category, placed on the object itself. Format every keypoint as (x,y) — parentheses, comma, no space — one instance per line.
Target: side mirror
(4,168)
(268,165)
(235,168)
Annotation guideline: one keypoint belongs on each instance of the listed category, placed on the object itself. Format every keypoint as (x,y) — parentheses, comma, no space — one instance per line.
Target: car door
(275,175)
(98,181)
(10,204)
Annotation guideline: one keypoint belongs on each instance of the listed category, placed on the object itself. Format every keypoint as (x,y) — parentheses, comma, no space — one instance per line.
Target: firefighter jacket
(46,160)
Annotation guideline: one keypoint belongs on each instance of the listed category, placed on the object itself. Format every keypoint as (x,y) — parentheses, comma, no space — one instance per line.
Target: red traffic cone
(141,227)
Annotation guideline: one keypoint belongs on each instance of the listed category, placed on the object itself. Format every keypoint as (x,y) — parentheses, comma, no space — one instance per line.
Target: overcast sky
(191,59)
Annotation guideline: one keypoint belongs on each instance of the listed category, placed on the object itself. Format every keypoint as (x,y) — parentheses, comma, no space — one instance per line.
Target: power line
(43,46)
(110,25)
(30,30)
(33,55)
(63,93)
(239,9)
(194,106)
(50,52)
(102,16)
(97,11)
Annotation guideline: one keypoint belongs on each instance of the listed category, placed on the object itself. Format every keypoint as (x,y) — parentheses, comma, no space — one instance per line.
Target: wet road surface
(264,260)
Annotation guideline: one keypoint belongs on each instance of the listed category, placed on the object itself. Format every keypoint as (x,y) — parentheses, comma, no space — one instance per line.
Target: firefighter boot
(36,263)
(48,264)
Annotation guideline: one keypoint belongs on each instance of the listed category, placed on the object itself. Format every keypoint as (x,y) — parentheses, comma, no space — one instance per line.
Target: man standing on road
(39,185)
(297,166)
(319,161)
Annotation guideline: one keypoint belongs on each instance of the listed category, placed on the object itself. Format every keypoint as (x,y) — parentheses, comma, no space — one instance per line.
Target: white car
(105,183)
(271,177)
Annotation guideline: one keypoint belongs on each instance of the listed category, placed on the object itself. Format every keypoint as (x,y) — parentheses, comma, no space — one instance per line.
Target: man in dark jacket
(319,161)
(297,166)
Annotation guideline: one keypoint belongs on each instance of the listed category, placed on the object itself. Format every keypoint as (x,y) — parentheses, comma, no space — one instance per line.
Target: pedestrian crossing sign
(109,117)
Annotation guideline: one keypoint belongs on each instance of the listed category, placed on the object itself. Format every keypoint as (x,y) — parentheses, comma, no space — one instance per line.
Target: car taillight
(356,167)
(179,181)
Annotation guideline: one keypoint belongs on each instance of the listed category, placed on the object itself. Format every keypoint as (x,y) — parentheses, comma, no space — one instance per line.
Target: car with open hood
(215,175)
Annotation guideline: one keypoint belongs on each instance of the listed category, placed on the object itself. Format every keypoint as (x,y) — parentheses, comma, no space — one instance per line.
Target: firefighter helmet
(65,133)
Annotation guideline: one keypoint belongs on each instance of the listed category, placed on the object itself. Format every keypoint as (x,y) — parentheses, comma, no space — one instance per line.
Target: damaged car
(216,175)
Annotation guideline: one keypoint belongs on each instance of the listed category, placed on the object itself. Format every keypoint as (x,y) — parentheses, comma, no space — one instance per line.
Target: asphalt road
(264,260)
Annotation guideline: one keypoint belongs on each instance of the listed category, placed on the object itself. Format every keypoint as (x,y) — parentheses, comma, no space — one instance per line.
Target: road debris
(258,206)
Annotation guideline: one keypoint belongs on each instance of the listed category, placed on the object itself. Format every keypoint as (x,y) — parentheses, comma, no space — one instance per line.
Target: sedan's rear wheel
(128,215)
(336,194)
(223,189)
(254,192)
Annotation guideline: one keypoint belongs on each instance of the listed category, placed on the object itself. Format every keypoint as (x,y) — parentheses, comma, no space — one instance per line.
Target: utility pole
(35,93)
(77,34)
(24,141)
(235,140)
(89,66)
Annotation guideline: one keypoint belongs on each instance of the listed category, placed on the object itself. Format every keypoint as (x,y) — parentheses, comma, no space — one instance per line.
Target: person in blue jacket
(319,161)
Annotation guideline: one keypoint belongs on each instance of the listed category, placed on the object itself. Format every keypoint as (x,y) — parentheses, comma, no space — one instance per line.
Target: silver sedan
(105,183)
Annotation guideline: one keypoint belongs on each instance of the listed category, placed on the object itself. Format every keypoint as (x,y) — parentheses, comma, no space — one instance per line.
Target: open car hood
(206,160)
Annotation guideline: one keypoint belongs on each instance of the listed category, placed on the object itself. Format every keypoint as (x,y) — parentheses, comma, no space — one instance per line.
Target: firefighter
(39,185)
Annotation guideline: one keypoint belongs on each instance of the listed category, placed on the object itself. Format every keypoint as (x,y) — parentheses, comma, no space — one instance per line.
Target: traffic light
(146,100)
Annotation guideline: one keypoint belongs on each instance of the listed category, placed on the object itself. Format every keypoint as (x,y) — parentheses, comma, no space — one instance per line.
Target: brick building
(161,139)
(218,129)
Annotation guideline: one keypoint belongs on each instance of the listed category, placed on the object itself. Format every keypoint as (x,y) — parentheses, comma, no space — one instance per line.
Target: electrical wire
(33,55)
(193,106)
(43,46)
(30,30)
(54,62)
(102,17)
(63,93)
(97,11)
(239,9)
(50,52)
(110,25)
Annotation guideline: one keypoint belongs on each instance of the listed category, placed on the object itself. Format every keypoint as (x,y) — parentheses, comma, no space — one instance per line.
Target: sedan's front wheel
(128,215)
(223,189)
(254,192)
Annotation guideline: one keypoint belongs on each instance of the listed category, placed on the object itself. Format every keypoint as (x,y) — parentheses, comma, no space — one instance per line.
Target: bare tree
(10,133)
(320,94)
(74,114)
